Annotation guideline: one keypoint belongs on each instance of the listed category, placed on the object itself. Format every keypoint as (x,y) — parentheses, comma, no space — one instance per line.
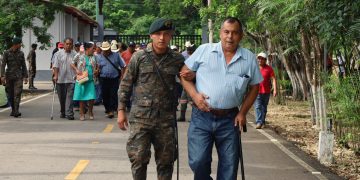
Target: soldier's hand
(25,80)
(3,80)
(187,74)
(201,103)
(122,120)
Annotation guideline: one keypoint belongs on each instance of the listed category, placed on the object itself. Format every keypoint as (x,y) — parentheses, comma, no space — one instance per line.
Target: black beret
(161,24)
(16,40)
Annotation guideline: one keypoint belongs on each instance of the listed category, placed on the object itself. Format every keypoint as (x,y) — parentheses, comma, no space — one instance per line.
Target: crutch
(241,154)
(52,104)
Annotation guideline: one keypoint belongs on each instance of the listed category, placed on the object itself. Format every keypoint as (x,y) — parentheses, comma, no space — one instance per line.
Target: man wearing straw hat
(110,65)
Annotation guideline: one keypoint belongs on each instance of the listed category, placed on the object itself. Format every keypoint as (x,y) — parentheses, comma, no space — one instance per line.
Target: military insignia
(168,24)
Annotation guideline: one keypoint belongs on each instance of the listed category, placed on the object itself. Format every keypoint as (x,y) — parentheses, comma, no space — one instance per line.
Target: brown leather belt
(223,112)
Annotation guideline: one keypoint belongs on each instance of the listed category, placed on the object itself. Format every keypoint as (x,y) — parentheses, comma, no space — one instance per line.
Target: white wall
(64,25)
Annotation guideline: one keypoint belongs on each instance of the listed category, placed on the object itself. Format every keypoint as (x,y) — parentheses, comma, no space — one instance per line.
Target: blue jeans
(205,130)
(260,105)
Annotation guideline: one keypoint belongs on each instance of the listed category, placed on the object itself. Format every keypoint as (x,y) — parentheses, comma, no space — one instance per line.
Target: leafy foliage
(17,15)
(135,17)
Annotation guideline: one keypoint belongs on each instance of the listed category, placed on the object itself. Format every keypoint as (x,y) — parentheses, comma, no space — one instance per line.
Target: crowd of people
(145,83)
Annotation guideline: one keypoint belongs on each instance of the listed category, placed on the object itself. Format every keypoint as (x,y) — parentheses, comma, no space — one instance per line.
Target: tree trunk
(309,69)
(297,93)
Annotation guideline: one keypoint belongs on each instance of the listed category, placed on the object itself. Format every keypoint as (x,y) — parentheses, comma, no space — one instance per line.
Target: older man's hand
(200,102)
(187,74)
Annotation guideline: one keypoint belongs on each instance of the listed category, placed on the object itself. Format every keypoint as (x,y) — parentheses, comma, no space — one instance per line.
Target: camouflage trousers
(161,136)
(14,89)
(32,74)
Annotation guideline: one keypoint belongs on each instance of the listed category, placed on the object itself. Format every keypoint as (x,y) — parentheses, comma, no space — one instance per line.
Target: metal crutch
(52,104)
(241,154)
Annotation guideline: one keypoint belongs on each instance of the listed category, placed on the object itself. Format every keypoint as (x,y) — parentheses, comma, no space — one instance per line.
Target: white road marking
(33,99)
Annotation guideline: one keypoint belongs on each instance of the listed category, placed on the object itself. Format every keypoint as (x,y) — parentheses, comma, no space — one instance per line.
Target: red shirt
(126,55)
(267,73)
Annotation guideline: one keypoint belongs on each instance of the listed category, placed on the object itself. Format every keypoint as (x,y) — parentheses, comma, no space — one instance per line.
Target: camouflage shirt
(150,97)
(15,62)
(31,58)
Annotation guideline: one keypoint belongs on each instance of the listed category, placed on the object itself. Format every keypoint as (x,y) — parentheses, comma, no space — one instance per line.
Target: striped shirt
(225,84)
(63,61)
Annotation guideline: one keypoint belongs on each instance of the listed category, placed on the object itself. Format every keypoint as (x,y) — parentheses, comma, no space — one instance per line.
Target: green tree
(135,17)
(17,15)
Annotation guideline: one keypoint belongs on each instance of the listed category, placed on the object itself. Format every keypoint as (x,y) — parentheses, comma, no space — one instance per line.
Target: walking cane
(241,154)
(177,149)
(52,104)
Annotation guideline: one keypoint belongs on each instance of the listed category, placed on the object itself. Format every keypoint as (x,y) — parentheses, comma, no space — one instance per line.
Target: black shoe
(17,114)
(62,116)
(110,115)
(12,113)
(70,117)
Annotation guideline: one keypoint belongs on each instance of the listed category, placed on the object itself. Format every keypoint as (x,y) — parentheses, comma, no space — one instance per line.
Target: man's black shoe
(70,118)
(62,116)
(17,114)
(12,113)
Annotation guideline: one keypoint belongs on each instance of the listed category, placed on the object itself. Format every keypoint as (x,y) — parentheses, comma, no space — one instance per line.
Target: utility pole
(100,20)
(210,24)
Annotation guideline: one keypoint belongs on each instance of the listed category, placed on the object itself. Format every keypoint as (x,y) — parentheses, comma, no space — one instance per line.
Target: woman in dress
(85,92)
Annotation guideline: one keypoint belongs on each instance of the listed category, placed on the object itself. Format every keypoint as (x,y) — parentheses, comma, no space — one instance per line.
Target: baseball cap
(132,44)
(262,54)
(61,45)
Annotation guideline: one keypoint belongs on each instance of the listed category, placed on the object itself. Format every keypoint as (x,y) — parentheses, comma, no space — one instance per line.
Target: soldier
(31,58)
(15,74)
(152,115)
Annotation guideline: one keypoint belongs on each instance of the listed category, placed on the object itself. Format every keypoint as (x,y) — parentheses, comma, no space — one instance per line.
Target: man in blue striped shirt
(224,71)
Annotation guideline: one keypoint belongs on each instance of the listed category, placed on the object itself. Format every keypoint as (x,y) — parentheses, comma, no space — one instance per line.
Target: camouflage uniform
(15,72)
(31,58)
(153,111)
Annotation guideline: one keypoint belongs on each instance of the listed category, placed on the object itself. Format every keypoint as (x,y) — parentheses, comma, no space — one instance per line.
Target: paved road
(34,147)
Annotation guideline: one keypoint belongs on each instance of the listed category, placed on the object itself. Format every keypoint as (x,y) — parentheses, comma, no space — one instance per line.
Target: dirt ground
(293,121)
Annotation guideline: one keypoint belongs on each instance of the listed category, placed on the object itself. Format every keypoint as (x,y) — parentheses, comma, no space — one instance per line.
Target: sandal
(82,118)
(91,116)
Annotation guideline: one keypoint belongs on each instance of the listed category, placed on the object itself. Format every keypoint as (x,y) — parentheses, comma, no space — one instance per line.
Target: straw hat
(114,48)
(105,46)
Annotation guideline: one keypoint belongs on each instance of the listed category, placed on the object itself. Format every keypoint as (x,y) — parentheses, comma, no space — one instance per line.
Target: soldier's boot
(164,172)
(182,112)
(31,84)
(16,111)
(12,110)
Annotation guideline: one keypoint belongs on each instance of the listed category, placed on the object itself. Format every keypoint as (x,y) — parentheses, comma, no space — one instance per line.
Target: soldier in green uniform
(31,58)
(15,74)
(153,111)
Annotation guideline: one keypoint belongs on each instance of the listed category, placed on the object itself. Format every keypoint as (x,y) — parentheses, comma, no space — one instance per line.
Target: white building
(71,22)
